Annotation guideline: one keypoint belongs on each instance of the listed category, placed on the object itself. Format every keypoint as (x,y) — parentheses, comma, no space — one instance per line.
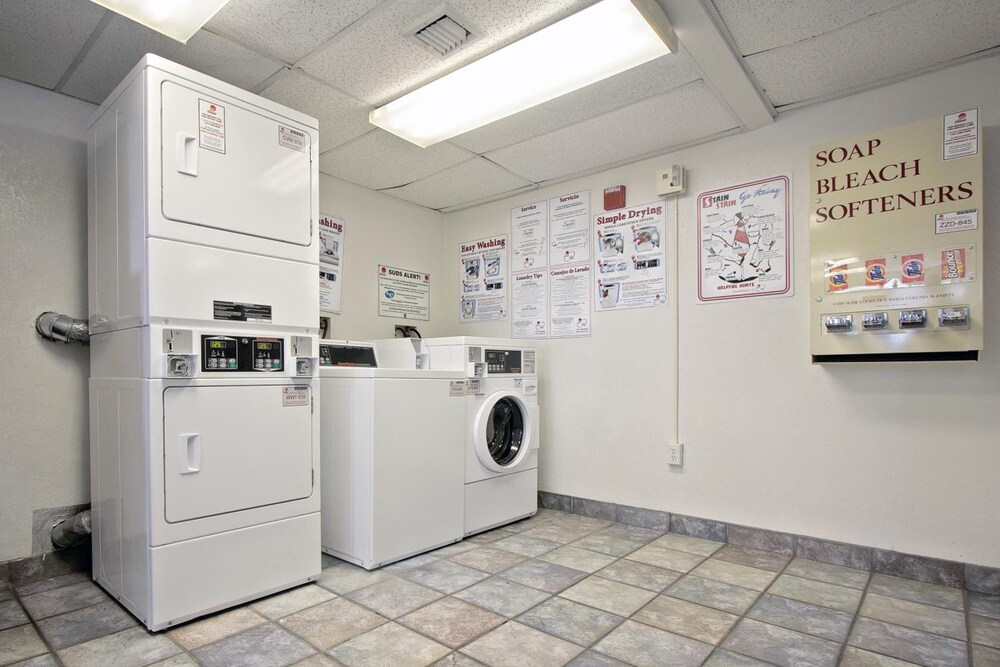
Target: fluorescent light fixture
(597,42)
(178,19)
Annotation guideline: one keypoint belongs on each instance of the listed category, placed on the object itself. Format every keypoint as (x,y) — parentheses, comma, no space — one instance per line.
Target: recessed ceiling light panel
(600,41)
(178,19)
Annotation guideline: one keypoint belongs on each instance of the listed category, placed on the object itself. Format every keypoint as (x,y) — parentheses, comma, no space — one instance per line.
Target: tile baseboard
(978,578)
(46,565)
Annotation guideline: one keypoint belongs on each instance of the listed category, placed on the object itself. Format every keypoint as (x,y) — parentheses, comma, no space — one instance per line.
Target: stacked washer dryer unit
(501,426)
(203,316)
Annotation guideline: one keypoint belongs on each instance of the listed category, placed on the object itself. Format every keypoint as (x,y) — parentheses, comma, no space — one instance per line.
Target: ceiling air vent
(443,36)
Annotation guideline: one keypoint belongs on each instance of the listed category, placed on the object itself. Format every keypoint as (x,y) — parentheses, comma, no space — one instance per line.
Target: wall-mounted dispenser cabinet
(895,236)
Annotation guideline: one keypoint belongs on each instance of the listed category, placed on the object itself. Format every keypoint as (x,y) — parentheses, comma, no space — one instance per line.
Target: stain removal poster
(484,279)
(331,257)
(630,271)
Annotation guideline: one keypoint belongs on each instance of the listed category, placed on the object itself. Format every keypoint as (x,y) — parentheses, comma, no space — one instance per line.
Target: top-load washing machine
(501,426)
(392,459)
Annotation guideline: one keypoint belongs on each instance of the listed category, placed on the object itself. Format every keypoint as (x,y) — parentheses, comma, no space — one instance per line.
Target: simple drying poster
(404,294)
(484,271)
(331,257)
(744,241)
(527,235)
(629,269)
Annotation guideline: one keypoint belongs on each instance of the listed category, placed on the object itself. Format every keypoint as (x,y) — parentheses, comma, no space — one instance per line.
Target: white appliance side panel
(118,354)
(120,490)
(116,205)
(243,172)
(417,466)
(500,500)
(291,289)
(232,448)
(346,460)
(204,575)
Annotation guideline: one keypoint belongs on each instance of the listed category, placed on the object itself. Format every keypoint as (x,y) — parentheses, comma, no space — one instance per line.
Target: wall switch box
(670,181)
(675,454)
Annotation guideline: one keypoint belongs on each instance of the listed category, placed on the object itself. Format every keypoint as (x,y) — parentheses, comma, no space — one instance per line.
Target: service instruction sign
(895,235)
(404,294)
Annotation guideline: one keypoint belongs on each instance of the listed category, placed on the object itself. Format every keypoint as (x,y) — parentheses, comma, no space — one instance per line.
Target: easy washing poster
(331,262)
(483,283)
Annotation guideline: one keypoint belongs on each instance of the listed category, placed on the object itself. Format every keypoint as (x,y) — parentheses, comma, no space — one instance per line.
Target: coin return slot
(912,319)
(839,323)
(874,321)
(953,317)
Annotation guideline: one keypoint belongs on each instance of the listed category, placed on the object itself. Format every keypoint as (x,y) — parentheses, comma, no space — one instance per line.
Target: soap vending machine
(204,310)
(896,233)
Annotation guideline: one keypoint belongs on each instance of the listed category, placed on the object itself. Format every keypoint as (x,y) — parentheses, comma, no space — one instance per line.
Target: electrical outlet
(675,454)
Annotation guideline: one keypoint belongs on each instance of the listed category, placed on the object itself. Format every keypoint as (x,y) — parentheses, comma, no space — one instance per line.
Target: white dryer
(392,460)
(500,426)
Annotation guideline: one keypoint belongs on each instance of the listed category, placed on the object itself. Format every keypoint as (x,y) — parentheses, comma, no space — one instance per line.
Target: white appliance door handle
(190,454)
(187,154)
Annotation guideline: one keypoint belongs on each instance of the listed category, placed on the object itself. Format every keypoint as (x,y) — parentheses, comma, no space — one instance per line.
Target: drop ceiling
(741,64)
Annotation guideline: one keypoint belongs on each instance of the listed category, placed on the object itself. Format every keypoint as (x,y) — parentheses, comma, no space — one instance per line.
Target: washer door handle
(190,454)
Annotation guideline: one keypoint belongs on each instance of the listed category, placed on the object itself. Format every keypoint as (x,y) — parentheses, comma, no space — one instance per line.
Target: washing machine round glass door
(503,432)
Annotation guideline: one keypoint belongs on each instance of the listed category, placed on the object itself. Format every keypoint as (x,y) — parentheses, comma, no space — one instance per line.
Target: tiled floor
(550,590)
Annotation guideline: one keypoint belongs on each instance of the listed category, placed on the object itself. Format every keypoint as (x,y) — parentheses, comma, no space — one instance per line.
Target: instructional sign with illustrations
(744,240)
(630,271)
(528,226)
(404,294)
(569,299)
(331,254)
(484,274)
(529,304)
(569,228)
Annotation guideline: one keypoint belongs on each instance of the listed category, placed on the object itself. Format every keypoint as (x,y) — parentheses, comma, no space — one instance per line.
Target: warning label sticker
(242,312)
(291,138)
(212,126)
(294,396)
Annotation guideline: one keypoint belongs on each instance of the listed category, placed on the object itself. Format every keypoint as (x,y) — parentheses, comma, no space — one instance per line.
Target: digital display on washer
(347,355)
(241,354)
(503,361)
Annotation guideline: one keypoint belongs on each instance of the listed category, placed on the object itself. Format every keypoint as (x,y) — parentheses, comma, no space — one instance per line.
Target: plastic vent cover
(443,36)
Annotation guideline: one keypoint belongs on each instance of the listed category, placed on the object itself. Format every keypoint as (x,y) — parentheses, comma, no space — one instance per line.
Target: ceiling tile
(376,62)
(678,117)
(467,182)
(652,78)
(40,38)
(341,118)
(382,160)
(289,29)
(914,36)
(123,43)
(790,21)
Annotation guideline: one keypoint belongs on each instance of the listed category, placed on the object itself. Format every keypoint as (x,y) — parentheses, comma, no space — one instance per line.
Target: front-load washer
(500,426)
(392,459)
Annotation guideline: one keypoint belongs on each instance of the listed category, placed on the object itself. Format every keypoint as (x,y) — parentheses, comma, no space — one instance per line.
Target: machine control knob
(179,366)
(839,323)
(957,316)
(303,367)
(912,319)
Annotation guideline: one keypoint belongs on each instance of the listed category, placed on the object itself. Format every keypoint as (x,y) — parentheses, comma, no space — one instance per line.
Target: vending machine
(896,243)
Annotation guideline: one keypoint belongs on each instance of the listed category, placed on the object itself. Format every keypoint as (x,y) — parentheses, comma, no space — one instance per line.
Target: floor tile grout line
(38,630)
(966,606)
(857,615)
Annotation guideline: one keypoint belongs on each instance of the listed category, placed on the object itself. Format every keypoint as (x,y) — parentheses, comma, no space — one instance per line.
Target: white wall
(384,230)
(43,266)
(897,456)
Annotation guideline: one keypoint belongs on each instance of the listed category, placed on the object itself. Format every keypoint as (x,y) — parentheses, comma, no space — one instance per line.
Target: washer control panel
(241,354)
(503,361)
